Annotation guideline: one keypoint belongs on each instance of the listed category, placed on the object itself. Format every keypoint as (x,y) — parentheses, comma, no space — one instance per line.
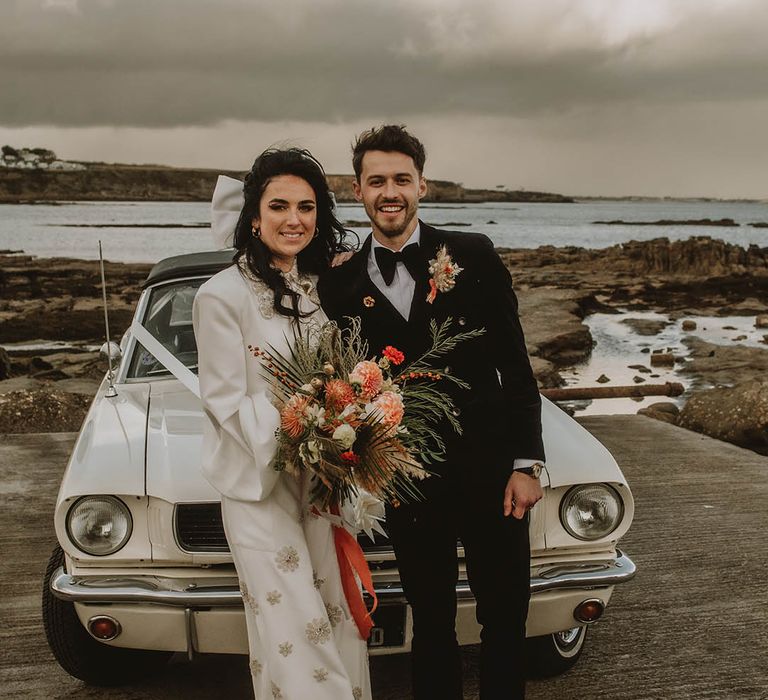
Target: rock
(51,374)
(5,364)
(602,379)
(20,384)
(740,337)
(737,414)
(645,351)
(670,222)
(645,326)
(38,364)
(715,365)
(546,374)
(689,325)
(662,410)
(729,328)
(491,222)
(551,319)
(640,368)
(638,380)
(761,321)
(765,339)
(662,359)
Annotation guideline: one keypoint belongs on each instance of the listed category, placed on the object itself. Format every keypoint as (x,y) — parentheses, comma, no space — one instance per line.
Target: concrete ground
(692,624)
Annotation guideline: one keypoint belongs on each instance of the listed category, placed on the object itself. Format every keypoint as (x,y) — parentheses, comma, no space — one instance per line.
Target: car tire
(82,656)
(553,654)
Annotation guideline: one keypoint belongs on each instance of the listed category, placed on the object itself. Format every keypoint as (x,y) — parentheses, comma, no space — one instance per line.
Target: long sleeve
(522,399)
(239,438)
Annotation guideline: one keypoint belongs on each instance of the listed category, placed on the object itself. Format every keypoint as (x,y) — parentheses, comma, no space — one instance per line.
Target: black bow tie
(387,260)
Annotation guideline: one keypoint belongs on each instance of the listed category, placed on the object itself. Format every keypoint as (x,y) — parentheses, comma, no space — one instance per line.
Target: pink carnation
(368,375)
(389,407)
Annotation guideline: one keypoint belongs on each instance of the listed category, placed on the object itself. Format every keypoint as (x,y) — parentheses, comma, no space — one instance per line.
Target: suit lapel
(421,309)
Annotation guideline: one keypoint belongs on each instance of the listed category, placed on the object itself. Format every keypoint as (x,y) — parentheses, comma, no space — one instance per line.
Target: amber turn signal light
(589,610)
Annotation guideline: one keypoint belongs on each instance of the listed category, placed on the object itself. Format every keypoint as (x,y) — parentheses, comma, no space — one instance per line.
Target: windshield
(169,318)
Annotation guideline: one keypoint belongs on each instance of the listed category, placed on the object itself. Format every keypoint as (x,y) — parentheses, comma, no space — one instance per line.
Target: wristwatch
(534,470)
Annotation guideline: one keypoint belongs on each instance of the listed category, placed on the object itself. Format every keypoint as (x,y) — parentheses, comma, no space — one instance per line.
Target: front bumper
(188,614)
(191,594)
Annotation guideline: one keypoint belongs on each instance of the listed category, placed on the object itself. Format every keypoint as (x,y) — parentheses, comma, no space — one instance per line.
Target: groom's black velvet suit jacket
(501,413)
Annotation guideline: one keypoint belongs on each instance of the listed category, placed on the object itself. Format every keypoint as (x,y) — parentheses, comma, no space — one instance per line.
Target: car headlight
(99,525)
(591,511)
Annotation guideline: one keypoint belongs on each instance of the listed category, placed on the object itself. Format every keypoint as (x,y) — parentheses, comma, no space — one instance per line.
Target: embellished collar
(299,282)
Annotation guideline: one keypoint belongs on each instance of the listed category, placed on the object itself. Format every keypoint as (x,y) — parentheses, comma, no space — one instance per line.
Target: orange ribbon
(432,291)
(351,561)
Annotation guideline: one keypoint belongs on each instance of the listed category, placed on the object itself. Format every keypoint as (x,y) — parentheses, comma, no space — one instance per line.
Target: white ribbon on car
(226,205)
(166,358)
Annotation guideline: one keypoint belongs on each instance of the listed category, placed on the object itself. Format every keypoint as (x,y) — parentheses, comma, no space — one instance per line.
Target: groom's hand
(341,258)
(521,494)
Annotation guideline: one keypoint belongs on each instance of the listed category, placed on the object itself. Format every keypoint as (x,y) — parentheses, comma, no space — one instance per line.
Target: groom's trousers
(465,501)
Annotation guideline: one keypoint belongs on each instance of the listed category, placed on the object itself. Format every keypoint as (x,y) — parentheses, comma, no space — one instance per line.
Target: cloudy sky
(612,97)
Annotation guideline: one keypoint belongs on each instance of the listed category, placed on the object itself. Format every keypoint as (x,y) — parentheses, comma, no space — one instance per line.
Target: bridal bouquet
(360,423)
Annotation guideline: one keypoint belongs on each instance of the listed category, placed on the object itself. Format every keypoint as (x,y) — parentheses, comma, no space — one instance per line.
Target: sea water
(150,231)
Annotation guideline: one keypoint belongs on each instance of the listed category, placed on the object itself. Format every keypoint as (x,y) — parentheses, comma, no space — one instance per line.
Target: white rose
(345,435)
(315,415)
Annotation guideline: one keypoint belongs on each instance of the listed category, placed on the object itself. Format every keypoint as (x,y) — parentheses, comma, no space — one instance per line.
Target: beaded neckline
(299,282)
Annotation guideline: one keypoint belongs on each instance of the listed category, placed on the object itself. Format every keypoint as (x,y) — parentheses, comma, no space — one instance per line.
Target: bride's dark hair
(328,240)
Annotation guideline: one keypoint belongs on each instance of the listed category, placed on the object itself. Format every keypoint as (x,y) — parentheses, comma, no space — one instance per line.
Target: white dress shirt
(400,294)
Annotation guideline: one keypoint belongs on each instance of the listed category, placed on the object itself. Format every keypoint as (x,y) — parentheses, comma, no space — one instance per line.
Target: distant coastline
(34,179)
(37,176)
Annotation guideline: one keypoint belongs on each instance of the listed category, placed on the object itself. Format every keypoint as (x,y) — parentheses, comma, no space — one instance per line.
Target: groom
(489,479)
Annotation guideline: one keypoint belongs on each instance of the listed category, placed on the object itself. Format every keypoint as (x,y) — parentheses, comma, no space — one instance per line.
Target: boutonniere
(368,302)
(444,273)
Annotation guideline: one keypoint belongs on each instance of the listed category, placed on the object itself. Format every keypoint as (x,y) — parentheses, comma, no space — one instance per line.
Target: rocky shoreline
(46,299)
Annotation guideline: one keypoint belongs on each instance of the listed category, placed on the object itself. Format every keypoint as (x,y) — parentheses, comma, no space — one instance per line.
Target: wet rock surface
(737,414)
(662,410)
(645,326)
(723,365)
(60,299)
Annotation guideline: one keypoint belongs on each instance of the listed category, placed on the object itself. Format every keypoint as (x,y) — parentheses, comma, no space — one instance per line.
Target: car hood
(574,455)
(174,442)
(108,456)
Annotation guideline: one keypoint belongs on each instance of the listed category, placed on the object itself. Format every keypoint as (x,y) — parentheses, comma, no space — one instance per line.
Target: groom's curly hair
(317,256)
(388,137)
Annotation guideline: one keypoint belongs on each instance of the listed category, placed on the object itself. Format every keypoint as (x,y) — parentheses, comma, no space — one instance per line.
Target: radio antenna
(111,391)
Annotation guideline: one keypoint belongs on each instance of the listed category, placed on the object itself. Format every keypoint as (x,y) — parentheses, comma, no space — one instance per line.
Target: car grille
(199,528)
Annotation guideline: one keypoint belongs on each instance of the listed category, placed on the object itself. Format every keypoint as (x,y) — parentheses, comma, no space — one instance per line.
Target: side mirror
(111,348)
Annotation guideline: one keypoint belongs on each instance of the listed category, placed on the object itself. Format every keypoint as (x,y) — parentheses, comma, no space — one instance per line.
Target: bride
(303,642)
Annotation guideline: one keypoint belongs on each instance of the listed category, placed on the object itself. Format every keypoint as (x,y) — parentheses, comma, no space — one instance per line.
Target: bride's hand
(341,258)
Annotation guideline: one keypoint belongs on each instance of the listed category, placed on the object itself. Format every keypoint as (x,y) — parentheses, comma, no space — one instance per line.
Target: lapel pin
(368,302)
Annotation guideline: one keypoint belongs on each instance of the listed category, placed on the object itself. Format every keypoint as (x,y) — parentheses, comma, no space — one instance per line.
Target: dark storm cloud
(162,63)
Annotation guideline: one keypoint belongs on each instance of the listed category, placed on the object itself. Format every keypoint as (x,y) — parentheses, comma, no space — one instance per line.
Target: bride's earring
(317,231)
(255,232)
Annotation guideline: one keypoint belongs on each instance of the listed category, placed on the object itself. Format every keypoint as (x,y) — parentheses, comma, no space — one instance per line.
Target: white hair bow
(226,205)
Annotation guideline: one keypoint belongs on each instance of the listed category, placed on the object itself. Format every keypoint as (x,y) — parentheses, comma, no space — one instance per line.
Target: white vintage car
(143,568)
